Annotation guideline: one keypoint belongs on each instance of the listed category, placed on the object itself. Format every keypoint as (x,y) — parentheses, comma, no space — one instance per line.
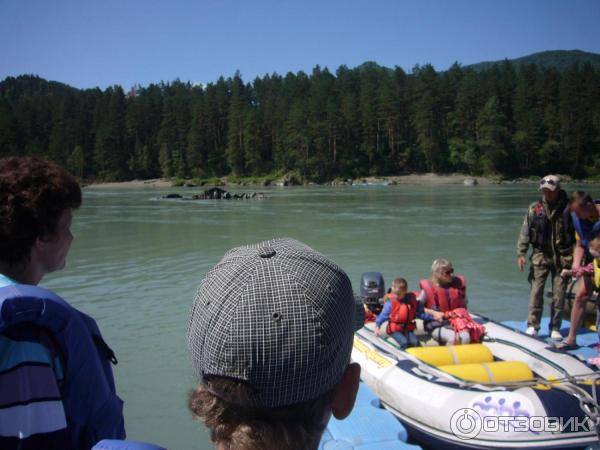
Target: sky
(100,43)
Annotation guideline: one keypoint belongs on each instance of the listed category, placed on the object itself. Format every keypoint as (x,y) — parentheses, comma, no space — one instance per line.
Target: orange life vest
(445,298)
(402,314)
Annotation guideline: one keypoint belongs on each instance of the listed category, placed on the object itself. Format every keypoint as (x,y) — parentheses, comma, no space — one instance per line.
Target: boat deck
(369,427)
(586,339)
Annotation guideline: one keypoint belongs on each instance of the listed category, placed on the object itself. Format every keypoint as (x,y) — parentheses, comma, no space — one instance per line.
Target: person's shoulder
(31,344)
(16,290)
(32,371)
(459,280)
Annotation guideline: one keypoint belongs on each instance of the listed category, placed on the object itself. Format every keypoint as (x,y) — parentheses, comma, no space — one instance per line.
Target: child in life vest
(400,310)
(591,270)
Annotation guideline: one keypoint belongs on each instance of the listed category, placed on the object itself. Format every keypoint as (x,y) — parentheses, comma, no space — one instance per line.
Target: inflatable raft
(510,391)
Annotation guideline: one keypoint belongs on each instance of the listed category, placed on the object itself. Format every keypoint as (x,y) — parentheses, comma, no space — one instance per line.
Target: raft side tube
(453,354)
(493,372)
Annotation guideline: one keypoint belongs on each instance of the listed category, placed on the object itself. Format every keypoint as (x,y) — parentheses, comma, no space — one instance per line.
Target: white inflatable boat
(510,391)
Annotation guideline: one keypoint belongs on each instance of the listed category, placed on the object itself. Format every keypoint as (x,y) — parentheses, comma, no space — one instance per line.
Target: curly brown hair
(33,194)
(218,402)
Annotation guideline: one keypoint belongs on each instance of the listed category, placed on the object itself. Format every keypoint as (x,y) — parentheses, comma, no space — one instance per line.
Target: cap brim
(551,187)
(359,315)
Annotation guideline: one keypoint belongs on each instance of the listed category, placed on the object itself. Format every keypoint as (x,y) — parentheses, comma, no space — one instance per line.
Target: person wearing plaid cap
(270,336)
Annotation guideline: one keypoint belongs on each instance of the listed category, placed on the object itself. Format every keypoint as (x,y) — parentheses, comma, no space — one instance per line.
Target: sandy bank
(160,183)
(415,179)
(429,179)
(411,179)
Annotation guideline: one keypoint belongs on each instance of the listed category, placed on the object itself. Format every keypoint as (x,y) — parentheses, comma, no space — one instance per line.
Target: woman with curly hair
(56,384)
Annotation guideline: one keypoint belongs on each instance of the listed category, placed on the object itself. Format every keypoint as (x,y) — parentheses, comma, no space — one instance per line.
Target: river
(137,260)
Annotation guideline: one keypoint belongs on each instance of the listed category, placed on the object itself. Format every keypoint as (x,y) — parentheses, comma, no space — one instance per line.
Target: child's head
(399,286)
(595,248)
(582,205)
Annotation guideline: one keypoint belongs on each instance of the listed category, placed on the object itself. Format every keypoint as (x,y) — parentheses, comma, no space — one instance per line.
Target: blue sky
(88,43)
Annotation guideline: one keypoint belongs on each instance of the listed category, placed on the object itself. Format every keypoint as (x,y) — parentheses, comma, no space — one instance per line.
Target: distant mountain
(558,59)
(12,89)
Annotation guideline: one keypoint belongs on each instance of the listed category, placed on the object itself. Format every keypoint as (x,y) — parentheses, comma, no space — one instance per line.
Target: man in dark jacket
(548,228)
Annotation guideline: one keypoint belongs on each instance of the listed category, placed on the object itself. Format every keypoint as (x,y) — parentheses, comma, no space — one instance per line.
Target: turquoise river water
(137,259)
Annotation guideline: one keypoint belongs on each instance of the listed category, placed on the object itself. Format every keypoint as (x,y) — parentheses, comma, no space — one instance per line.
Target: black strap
(435,297)
(104,349)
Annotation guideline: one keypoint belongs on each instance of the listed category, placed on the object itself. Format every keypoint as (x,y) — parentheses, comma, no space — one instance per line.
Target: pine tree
(197,142)
(529,134)
(237,114)
(76,161)
(492,138)
(427,118)
(253,160)
(9,135)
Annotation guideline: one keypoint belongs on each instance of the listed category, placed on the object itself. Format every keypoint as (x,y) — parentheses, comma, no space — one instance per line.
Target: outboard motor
(372,290)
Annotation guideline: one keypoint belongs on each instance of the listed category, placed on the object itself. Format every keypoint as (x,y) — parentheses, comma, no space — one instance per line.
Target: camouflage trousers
(541,269)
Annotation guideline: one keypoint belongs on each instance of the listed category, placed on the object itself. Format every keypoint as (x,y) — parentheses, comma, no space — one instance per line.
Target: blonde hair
(439,264)
(437,267)
(221,404)
(595,244)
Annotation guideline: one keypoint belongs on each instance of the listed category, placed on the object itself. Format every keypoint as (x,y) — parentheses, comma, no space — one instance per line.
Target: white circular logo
(465,423)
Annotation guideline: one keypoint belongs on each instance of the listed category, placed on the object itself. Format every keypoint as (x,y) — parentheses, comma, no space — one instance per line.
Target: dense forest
(370,120)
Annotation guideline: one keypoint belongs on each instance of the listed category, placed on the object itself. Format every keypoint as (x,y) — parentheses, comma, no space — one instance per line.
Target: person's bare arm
(437,315)
(578,253)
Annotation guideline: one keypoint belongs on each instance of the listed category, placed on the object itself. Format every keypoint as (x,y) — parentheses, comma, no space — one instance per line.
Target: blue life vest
(125,445)
(92,407)
(586,230)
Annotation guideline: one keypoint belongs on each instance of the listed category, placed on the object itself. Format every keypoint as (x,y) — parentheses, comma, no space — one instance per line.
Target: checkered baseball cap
(278,315)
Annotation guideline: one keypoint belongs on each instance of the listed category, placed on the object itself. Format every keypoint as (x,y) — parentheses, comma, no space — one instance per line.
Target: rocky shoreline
(217,193)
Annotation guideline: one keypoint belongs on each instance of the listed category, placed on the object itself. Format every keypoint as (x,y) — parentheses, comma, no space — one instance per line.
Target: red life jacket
(445,298)
(460,319)
(402,314)
(369,316)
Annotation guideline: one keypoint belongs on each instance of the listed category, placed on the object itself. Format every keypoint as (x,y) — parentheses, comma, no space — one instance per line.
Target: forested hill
(368,120)
(556,59)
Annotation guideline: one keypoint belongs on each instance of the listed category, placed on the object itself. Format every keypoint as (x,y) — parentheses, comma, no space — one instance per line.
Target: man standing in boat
(548,228)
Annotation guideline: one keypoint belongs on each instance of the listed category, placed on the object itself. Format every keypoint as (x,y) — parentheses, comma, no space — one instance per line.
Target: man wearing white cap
(548,228)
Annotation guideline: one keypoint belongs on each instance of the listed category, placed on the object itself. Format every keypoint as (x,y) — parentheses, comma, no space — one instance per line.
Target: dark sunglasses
(548,181)
(448,272)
